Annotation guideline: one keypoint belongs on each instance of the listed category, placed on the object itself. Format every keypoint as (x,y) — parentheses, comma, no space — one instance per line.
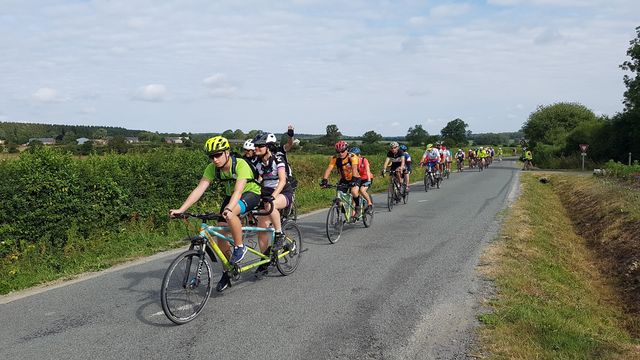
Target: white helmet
(271,138)
(481,147)
(248,145)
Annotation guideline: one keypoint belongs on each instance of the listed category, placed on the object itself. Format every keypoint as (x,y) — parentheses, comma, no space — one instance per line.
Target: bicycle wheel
(390,193)
(287,264)
(186,287)
(438,181)
(335,222)
(448,172)
(405,194)
(367,217)
(426,182)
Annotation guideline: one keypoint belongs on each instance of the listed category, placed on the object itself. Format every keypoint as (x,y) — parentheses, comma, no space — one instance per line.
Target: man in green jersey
(242,194)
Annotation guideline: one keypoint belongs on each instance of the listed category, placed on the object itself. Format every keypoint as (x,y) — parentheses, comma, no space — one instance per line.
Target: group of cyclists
(263,173)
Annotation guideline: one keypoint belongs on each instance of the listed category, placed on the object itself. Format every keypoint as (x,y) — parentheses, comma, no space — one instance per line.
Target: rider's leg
(355,193)
(363,192)
(263,236)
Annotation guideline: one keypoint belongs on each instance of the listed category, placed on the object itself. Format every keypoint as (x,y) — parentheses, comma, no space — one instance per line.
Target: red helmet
(341,146)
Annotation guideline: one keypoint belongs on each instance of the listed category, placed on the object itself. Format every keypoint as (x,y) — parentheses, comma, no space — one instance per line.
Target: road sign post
(583,148)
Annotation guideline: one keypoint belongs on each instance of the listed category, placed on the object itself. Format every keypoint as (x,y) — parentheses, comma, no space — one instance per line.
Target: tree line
(555,131)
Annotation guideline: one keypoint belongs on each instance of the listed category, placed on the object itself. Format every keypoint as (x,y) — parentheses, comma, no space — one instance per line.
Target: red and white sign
(584,147)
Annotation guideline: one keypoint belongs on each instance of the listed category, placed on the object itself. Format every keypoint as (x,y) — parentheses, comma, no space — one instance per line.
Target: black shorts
(248,201)
(287,192)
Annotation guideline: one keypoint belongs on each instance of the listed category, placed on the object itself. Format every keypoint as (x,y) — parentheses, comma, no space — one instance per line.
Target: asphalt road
(405,288)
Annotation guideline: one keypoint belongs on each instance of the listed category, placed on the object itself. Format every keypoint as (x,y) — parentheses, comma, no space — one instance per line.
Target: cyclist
(407,164)
(472,158)
(395,158)
(500,154)
(446,157)
(347,164)
(249,151)
(242,194)
(431,159)
(528,158)
(283,149)
(482,155)
(272,171)
(366,177)
(460,159)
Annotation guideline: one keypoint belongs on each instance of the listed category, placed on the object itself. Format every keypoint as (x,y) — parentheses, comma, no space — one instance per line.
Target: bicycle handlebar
(212,216)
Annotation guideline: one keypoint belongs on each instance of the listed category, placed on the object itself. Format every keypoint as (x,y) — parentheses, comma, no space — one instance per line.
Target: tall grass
(552,303)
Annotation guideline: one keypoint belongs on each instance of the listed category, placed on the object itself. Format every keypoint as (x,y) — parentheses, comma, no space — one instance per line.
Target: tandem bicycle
(186,285)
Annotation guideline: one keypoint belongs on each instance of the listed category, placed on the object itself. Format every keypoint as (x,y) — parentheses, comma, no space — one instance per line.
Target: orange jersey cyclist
(347,164)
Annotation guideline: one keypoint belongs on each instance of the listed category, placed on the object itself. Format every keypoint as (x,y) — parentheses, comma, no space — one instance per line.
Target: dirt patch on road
(607,215)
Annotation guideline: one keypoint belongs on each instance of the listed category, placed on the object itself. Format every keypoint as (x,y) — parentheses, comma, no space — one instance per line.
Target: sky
(207,66)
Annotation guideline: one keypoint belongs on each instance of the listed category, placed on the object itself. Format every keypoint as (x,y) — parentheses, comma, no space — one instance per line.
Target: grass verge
(552,300)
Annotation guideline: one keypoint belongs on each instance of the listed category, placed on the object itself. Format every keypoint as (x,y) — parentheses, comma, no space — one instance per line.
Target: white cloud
(151,92)
(449,10)
(418,21)
(218,86)
(47,95)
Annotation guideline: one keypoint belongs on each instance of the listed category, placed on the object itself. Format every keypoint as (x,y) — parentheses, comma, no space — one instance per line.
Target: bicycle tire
(367,217)
(426,182)
(405,194)
(438,181)
(390,198)
(335,223)
(181,311)
(286,265)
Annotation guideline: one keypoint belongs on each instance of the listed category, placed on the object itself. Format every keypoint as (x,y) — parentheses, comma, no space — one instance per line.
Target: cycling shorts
(287,192)
(248,201)
(367,182)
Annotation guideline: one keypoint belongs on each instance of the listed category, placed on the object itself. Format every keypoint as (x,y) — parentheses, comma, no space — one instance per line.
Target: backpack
(234,162)
(340,161)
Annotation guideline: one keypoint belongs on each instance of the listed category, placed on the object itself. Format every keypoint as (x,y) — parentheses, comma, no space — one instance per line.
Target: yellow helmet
(216,144)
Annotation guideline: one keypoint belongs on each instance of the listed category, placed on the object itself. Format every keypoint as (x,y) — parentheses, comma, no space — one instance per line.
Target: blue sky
(207,66)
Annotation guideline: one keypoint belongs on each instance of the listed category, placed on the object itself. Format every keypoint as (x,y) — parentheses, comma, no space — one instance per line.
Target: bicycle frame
(345,200)
(209,232)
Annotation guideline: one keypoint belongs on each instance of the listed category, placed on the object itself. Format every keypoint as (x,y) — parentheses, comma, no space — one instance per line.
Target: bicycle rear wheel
(186,287)
(367,216)
(390,195)
(335,222)
(287,264)
(405,194)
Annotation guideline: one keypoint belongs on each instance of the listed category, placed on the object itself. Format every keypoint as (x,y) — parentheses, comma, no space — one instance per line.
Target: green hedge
(46,192)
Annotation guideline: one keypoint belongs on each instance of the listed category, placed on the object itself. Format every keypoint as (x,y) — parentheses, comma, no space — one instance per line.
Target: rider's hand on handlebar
(173,213)
(324,183)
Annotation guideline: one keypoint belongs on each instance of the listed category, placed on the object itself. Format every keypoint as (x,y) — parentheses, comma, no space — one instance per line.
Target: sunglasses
(216,155)
(261,145)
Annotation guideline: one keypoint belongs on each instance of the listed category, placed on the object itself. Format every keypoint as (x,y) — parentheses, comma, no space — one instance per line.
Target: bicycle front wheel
(287,264)
(426,182)
(390,195)
(405,193)
(186,287)
(335,222)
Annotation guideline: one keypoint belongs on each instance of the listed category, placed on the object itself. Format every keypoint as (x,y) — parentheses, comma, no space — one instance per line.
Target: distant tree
(417,136)
(86,148)
(228,134)
(371,137)
(551,124)
(100,134)
(455,132)
(238,134)
(69,137)
(119,144)
(252,134)
(632,95)
(332,136)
